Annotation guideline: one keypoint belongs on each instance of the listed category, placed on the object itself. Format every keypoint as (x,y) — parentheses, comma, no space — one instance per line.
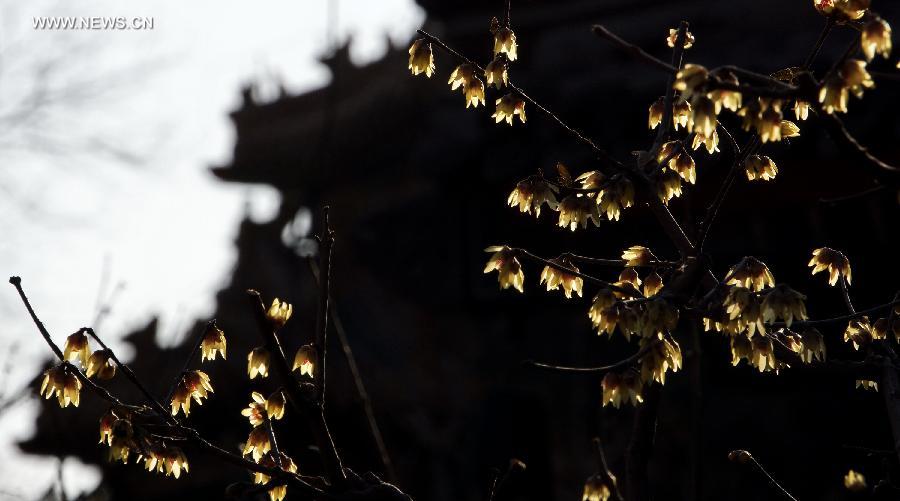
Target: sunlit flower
(656,113)
(658,317)
(275,460)
(60,381)
(279,313)
(673,37)
(834,261)
(833,95)
(652,284)
(663,355)
(726,98)
(801,110)
(690,79)
(784,303)
(592,180)
(306,358)
(256,410)
(629,277)
(789,129)
(843,9)
(258,362)
(107,421)
(464,76)
(617,195)
(504,40)
(168,459)
(637,255)
(741,349)
(769,125)
(556,278)
(760,168)
(531,193)
(508,107)
(496,72)
(681,113)
(77,347)
(622,388)
(683,164)
(101,365)
(876,38)
(618,314)
(275,405)
(867,385)
(763,355)
(596,489)
(576,210)
(856,77)
(213,341)
(257,443)
(710,142)
(668,185)
(603,300)
(860,333)
(751,273)
(704,115)
(421,59)
(750,113)
(854,481)
(813,346)
(509,269)
(120,440)
(743,306)
(194,384)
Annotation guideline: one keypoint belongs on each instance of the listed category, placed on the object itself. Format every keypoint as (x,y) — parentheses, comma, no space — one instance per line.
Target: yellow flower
(275,460)
(656,113)
(842,9)
(663,356)
(751,273)
(258,362)
(728,99)
(279,313)
(812,346)
(673,37)
(652,284)
(668,186)
(100,364)
(508,107)
(856,77)
(603,300)
(834,261)
(121,440)
(760,168)
(769,125)
(60,381)
(617,195)
(763,354)
(256,411)
(867,385)
(629,277)
(194,384)
(504,40)
(617,314)
(596,489)
(107,421)
(658,317)
(257,443)
(305,360)
(704,115)
(77,347)
(710,142)
(213,341)
(742,305)
(496,72)
(421,59)
(464,76)
(784,303)
(789,129)
(576,210)
(637,255)
(509,269)
(275,405)
(681,113)
(556,278)
(833,95)
(624,388)
(683,164)
(168,459)
(690,79)
(860,332)
(531,193)
(801,110)
(854,481)
(876,38)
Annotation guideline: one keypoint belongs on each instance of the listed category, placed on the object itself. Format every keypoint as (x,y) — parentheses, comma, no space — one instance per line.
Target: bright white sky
(162,224)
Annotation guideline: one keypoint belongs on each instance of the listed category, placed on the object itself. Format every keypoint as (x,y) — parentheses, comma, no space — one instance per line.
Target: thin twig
(744,456)
(604,368)
(845,292)
(604,470)
(187,363)
(603,32)
(325,244)
(570,271)
(829,24)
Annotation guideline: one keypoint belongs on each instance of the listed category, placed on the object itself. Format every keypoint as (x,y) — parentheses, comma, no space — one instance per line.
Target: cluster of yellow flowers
(122,437)
(466,78)
(596,488)
(63,381)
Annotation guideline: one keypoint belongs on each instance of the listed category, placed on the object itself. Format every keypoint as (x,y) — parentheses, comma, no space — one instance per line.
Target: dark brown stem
(620,263)
(187,363)
(604,470)
(745,456)
(325,244)
(829,24)
(637,52)
(605,368)
(845,292)
(641,446)
(666,126)
(844,318)
(570,271)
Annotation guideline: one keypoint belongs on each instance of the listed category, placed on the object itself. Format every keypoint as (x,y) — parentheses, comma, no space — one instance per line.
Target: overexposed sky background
(106,138)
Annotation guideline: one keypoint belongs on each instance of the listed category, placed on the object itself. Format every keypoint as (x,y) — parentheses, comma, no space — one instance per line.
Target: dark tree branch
(637,52)
(745,457)
(593,370)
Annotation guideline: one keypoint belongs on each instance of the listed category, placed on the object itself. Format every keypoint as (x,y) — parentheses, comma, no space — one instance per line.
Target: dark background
(417,186)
